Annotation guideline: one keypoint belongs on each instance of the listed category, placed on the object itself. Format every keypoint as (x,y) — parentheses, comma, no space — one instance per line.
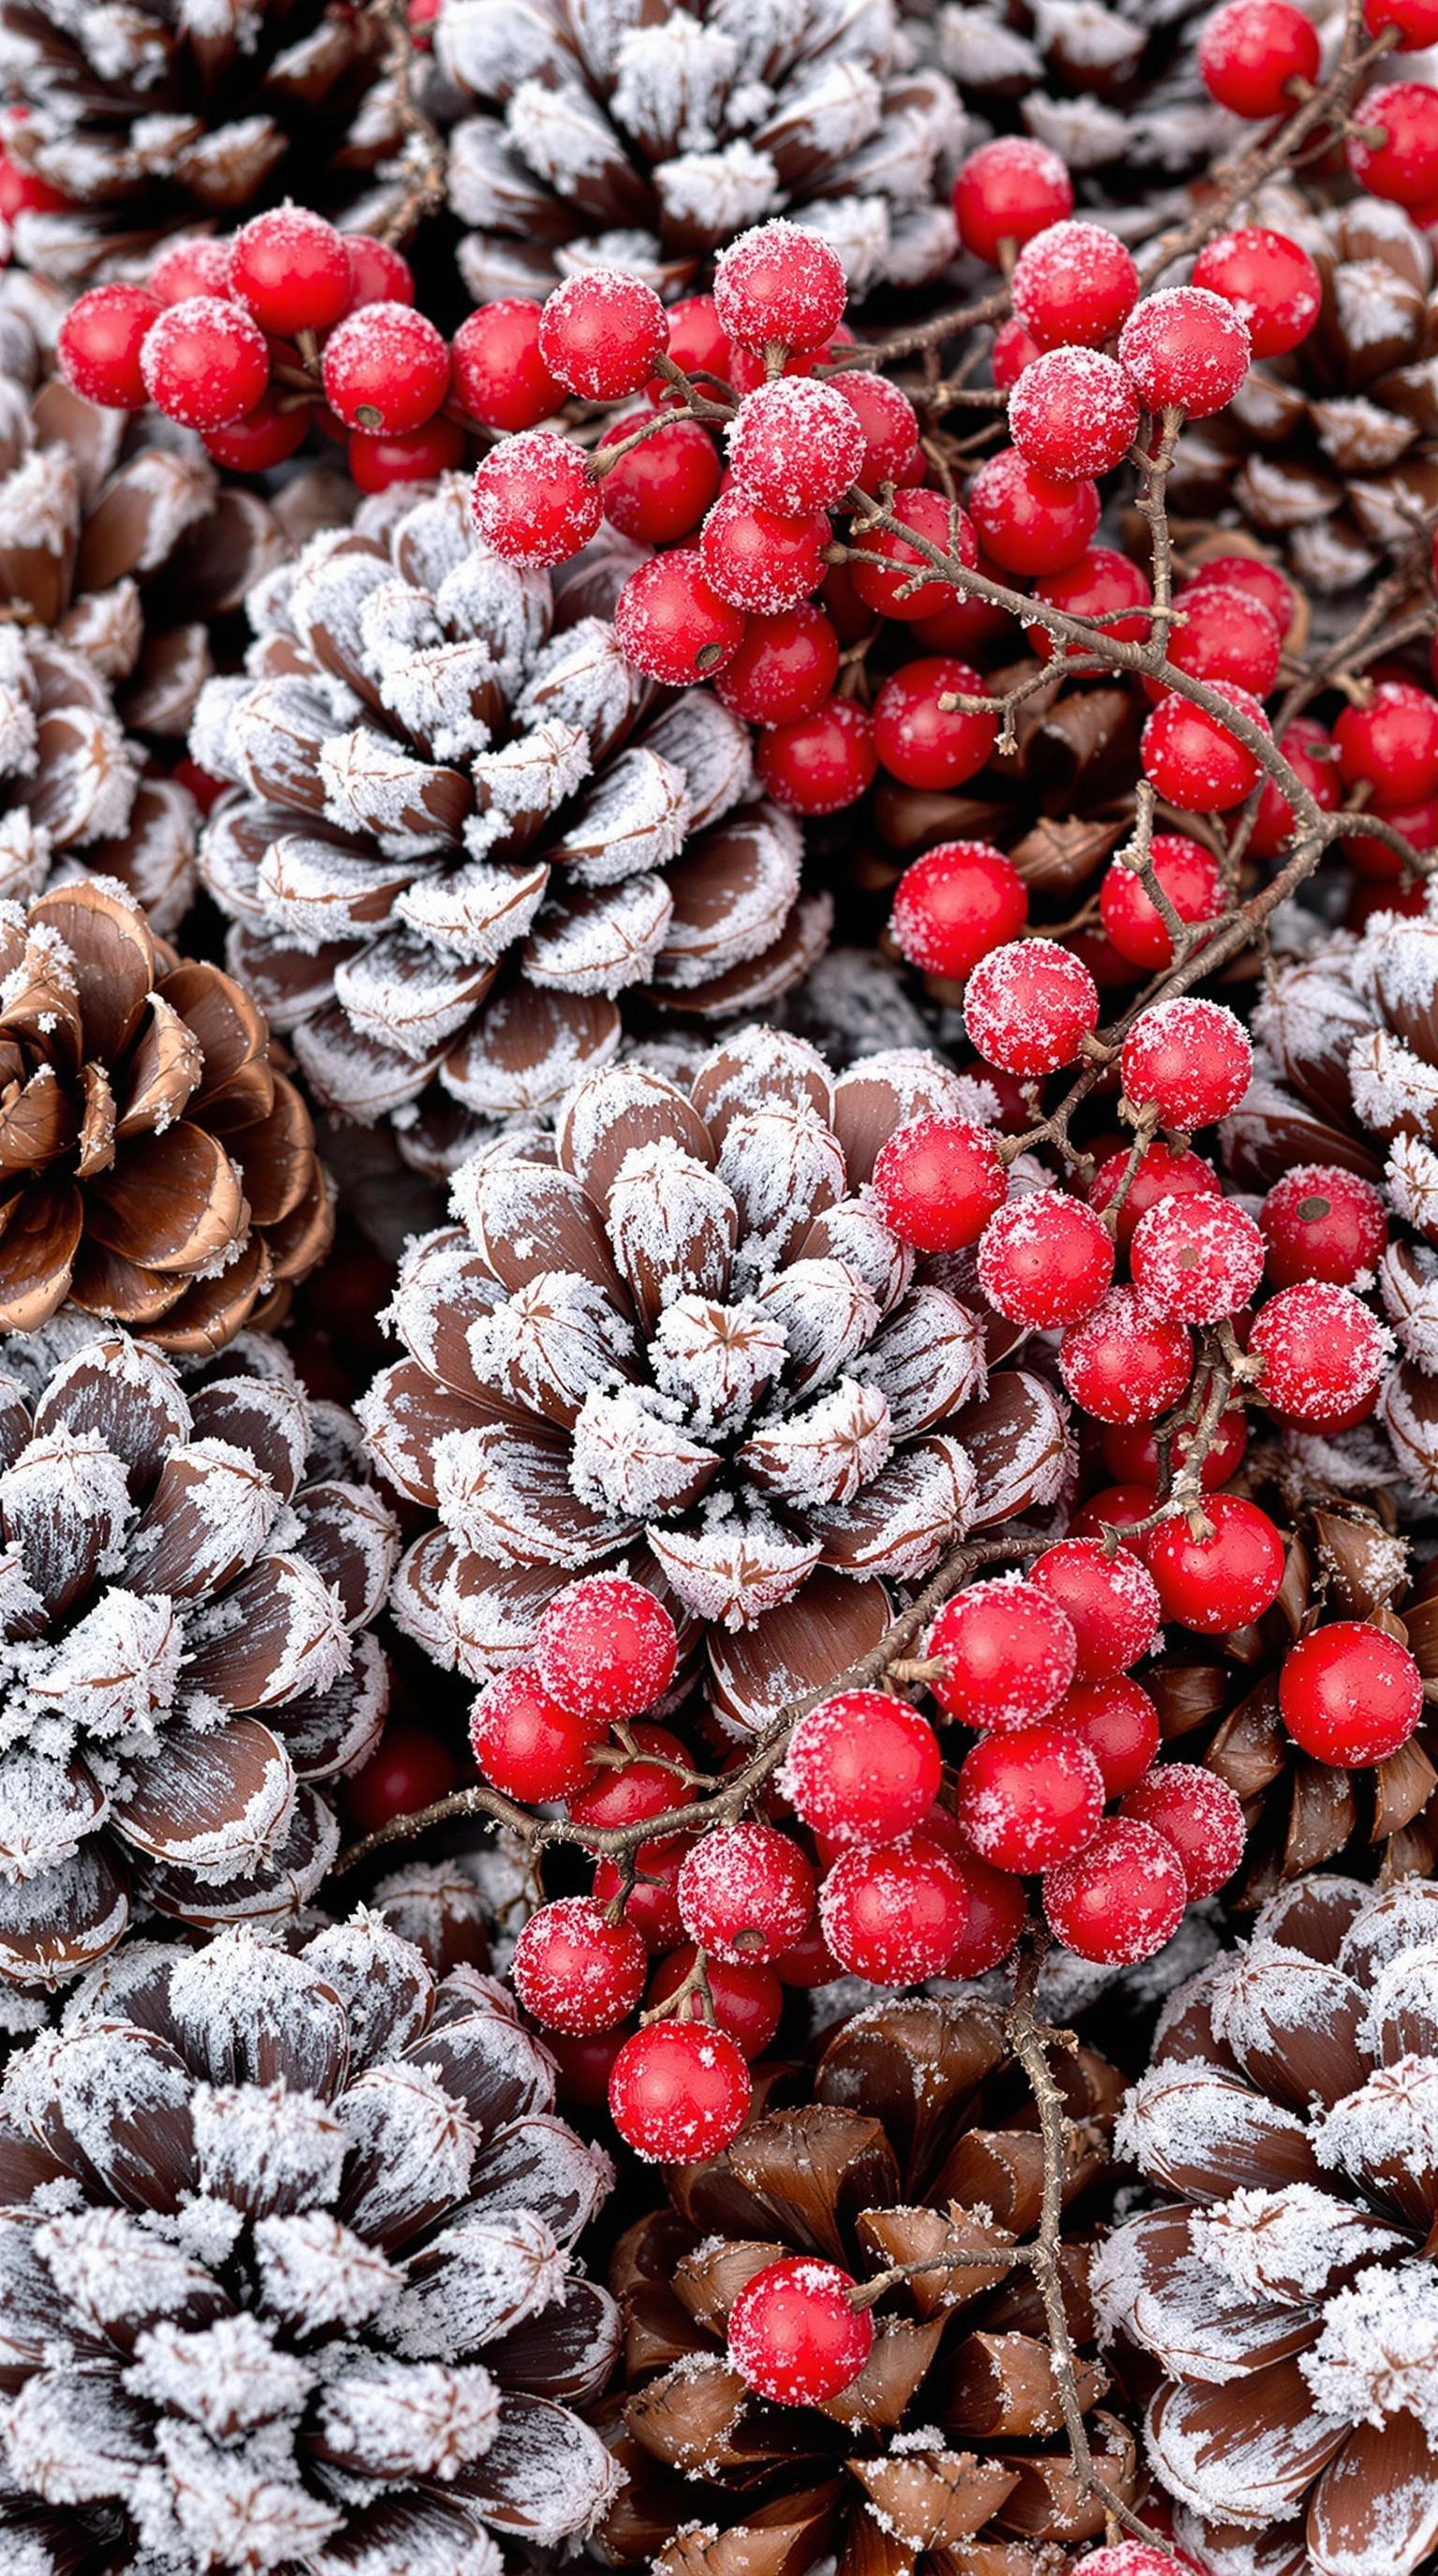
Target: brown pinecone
(1114,90)
(1280,2302)
(166,119)
(461,834)
(685,1340)
(949,2449)
(286,2273)
(646,139)
(189,1569)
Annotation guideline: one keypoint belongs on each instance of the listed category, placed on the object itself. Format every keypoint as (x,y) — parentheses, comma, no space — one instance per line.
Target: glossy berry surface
(671,623)
(779,287)
(1100,583)
(661,490)
(938,1183)
(758,561)
(921,741)
(1030,1006)
(575,1970)
(605,1648)
(1200,1815)
(1006,192)
(795,2336)
(1269,280)
(1323,1352)
(1073,413)
(534,500)
(890,427)
(1163,1171)
(408,1769)
(746,1892)
(748,2000)
(1118,1722)
(1189,1059)
(1009,1652)
(1030,1798)
(894,1912)
(1225,634)
(1186,350)
(1404,166)
(601,332)
(1196,1259)
(525,1743)
(291,271)
(1029,521)
(821,762)
(1349,1695)
(205,362)
(1224,1581)
(1045,1259)
(1111,1602)
(1121,1898)
(99,345)
(385,369)
(1390,744)
(862,1767)
(1321,1222)
(954,904)
(1074,285)
(1126,1361)
(678,2091)
(1197,762)
(499,373)
(1191,878)
(1250,53)
(785,668)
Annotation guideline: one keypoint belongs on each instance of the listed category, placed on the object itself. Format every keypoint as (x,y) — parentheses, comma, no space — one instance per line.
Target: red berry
(885,585)
(606,1648)
(1131,1452)
(669,621)
(205,363)
(1200,1815)
(1009,1652)
(1320,1222)
(408,1770)
(379,274)
(1044,1259)
(1119,1724)
(1308,749)
(1269,280)
(525,1744)
(1029,1799)
(265,437)
(1390,745)
(577,1971)
(1196,1259)
(1186,350)
(923,743)
(1350,1695)
(955,904)
(662,488)
(1074,286)
(1025,520)
(1190,877)
(679,2091)
(1119,1900)
(22,191)
(1126,1362)
(1095,586)
(1014,349)
(894,1912)
(499,375)
(998,1910)
(1265,581)
(1375,859)
(1323,1354)
(784,669)
(585,2065)
(1404,166)
(1116,1507)
(1164,1171)
(1006,192)
(290,269)
(795,2336)
(697,345)
(1415,20)
(376,463)
(99,344)
(862,1767)
(385,369)
(1252,51)
(746,1892)
(1073,413)
(938,1182)
(1134,2558)
(1224,634)
(1196,762)
(780,287)
(810,1963)
(796,446)
(1029,1007)
(652,1904)
(1190,1060)
(748,2000)
(534,499)
(758,561)
(200,266)
(601,332)
(820,763)
(650,1785)
(1222,1582)
(890,425)
(1110,1601)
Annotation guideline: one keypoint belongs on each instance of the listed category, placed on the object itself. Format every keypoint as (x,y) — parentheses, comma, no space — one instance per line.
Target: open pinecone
(170,118)
(155,1169)
(948,2451)
(285,2271)
(461,836)
(1281,2303)
(188,1574)
(646,138)
(689,1343)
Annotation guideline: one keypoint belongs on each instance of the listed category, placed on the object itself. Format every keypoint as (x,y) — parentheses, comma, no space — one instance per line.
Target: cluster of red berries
(1260,59)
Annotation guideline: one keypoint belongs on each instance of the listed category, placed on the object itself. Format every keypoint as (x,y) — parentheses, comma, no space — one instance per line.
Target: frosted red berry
(575,1970)
(1263,580)
(1121,1898)
(1390,744)
(1416,22)
(204,362)
(1223,1581)
(890,584)
(99,345)
(379,274)
(650,1784)
(525,1744)
(291,270)
(1029,1799)
(1320,1222)
(385,369)
(795,2336)
(938,1181)
(894,1912)
(374,463)
(1189,1059)
(1186,349)
(1404,166)
(918,739)
(890,426)
(1225,635)
(671,623)
(1126,1361)
(1324,1354)
(758,561)
(955,904)
(1073,413)
(1349,1695)
(601,332)
(1044,1259)
(1196,1259)
(1006,192)
(660,491)
(408,1769)
(1197,762)
(1099,583)
(1028,521)
(1269,280)
(265,437)
(199,266)
(1029,1007)
(997,1912)
(1009,1652)
(820,763)
(1190,877)
(499,374)
(746,1892)
(534,500)
(679,2091)
(1074,286)
(1118,1722)
(748,2000)
(1164,1171)
(796,445)
(1199,1814)
(1308,748)
(862,1767)
(784,669)
(1134,2558)
(697,345)
(1252,51)
(606,1648)
(780,287)
(1111,1602)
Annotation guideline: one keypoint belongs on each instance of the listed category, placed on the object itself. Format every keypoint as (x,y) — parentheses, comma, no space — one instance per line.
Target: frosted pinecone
(1283,2293)
(647,136)
(180,117)
(680,1338)
(285,2271)
(461,835)
(190,1569)
(1113,89)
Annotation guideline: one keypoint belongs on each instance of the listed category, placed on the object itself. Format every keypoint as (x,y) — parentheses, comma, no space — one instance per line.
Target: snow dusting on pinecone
(679,1336)
(1285,2285)
(1113,90)
(644,138)
(189,1569)
(461,835)
(285,2271)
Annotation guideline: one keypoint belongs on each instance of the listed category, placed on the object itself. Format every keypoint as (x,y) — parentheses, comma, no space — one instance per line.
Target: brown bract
(949,2449)
(155,1168)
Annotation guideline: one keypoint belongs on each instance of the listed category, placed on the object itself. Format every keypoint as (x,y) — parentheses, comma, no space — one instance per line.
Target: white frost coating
(1378,2353)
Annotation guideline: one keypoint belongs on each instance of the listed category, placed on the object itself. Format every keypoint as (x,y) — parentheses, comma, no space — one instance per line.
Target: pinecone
(158,1171)
(645,137)
(462,835)
(689,1343)
(172,118)
(1281,2300)
(1114,90)
(948,2451)
(189,1569)
(285,2271)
